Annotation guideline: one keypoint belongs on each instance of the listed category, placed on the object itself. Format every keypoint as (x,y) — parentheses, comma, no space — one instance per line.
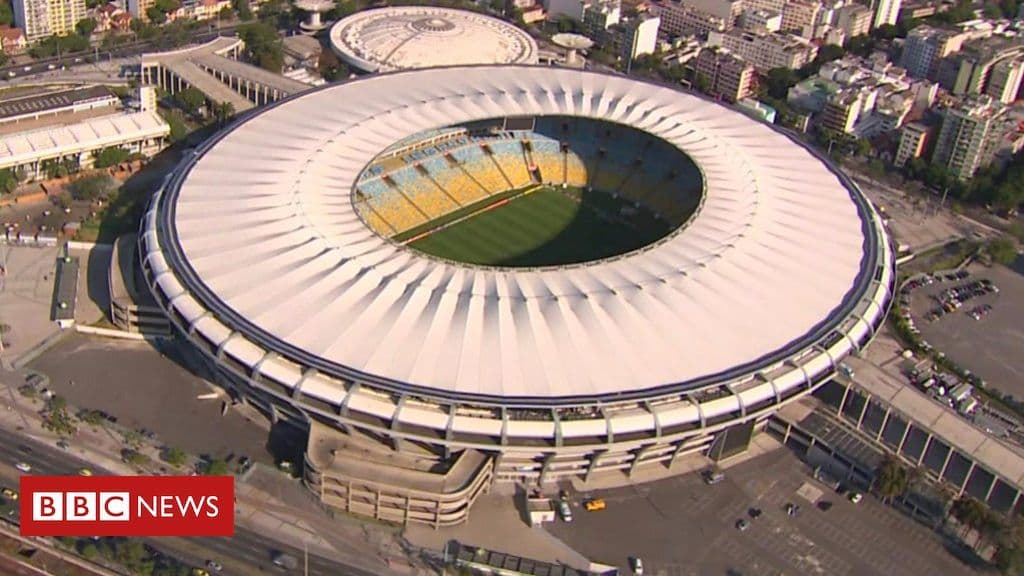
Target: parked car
(23,466)
(713,476)
(10,493)
(595,504)
(856,497)
(638,566)
(564,511)
(742,525)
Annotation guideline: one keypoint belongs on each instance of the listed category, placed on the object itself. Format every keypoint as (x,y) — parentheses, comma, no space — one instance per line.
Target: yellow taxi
(10,494)
(595,504)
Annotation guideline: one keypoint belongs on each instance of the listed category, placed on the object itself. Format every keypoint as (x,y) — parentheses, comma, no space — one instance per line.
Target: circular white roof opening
(400,38)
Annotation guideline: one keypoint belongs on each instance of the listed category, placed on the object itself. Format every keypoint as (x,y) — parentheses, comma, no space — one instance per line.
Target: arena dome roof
(400,38)
(258,248)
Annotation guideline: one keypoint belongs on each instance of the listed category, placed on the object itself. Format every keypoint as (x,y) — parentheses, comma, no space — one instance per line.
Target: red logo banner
(127,506)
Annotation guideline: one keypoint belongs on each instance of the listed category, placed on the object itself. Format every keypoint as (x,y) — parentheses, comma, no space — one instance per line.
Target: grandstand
(430,176)
(528,374)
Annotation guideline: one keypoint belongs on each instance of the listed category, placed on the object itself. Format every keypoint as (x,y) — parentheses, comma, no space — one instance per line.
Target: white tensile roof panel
(265,220)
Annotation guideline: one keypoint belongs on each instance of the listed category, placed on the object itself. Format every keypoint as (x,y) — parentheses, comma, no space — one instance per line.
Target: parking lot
(26,295)
(990,346)
(682,527)
(143,388)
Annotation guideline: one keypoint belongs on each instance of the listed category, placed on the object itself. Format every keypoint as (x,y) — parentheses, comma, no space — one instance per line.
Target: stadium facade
(443,376)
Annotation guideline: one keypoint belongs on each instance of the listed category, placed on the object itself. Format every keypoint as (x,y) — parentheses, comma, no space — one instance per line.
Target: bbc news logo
(127,506)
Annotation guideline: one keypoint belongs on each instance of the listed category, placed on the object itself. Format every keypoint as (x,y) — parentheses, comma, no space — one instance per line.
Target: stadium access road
(246,548)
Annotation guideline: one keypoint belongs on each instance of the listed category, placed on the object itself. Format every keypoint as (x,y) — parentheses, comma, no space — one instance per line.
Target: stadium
(407,37)
(461,275)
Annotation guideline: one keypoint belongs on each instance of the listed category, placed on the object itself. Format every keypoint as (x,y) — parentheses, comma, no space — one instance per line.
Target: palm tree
(892,478)
(223,112)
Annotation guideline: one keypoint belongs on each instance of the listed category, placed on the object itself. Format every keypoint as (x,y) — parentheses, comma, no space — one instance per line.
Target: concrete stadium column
(903,440)
(846,394)
(991,487)
(863,411)
(885,420)
(945,464)
(927,444)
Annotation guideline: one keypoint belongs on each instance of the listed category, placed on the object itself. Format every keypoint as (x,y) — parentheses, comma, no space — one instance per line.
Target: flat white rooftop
(114,130)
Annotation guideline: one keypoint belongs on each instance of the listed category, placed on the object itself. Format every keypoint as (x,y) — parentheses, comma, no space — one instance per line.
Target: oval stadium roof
(260,229)
(401,38)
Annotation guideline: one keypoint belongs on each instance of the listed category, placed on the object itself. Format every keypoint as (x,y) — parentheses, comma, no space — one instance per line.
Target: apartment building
(847,107)
(855,20)
(967,141)
(913,143)
(761,21)
(801,18)
(1005,80)
(925,46)
(766,51)
(887,12)
(724,75)
(678,19)
(970,71)
(41,18)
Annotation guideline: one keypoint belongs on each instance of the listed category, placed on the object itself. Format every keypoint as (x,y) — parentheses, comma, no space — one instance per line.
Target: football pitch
(545,227)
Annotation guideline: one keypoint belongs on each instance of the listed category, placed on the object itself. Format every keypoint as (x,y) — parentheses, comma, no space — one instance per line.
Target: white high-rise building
(42,18)
(886,12)
(641,36)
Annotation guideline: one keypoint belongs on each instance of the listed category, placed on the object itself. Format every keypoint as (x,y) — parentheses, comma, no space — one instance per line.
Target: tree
(10,179)
(86,26)
(215,467)
(778,81)
(190,99)
(1003,250)
(892,478)
(175,457)
(110,156)
(223,112)
(885,32)
(226,13)
(860,45)
(6,14)
(155,15)
(91,417)
(56,418)
(90,551)
(167,6)
(242,8)
(263,46)
(969,512)
(91,187)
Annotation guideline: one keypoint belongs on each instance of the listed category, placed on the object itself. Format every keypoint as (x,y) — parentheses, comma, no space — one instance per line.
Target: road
(82,58)
(246,548)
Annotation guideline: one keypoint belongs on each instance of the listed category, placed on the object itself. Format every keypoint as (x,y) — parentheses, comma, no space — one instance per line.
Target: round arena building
(468,274)
(407,37)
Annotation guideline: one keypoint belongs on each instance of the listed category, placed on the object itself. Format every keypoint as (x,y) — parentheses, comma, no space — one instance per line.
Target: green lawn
(544,228)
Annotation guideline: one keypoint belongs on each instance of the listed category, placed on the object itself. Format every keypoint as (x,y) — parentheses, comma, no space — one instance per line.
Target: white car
(564,511)
(856,497)
(24,467)
(638,567)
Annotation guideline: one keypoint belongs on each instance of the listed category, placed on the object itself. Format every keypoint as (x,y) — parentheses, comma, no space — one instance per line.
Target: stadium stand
(509,156)
(482,169)
(430,199)
(427,177)
(456,182)
(549,160)
(389,205)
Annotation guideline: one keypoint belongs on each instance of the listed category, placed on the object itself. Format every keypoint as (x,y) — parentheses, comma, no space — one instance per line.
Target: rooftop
(399,38)
(36,103)
(110,130)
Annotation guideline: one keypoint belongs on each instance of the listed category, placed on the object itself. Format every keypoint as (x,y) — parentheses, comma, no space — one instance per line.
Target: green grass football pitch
(543,228)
